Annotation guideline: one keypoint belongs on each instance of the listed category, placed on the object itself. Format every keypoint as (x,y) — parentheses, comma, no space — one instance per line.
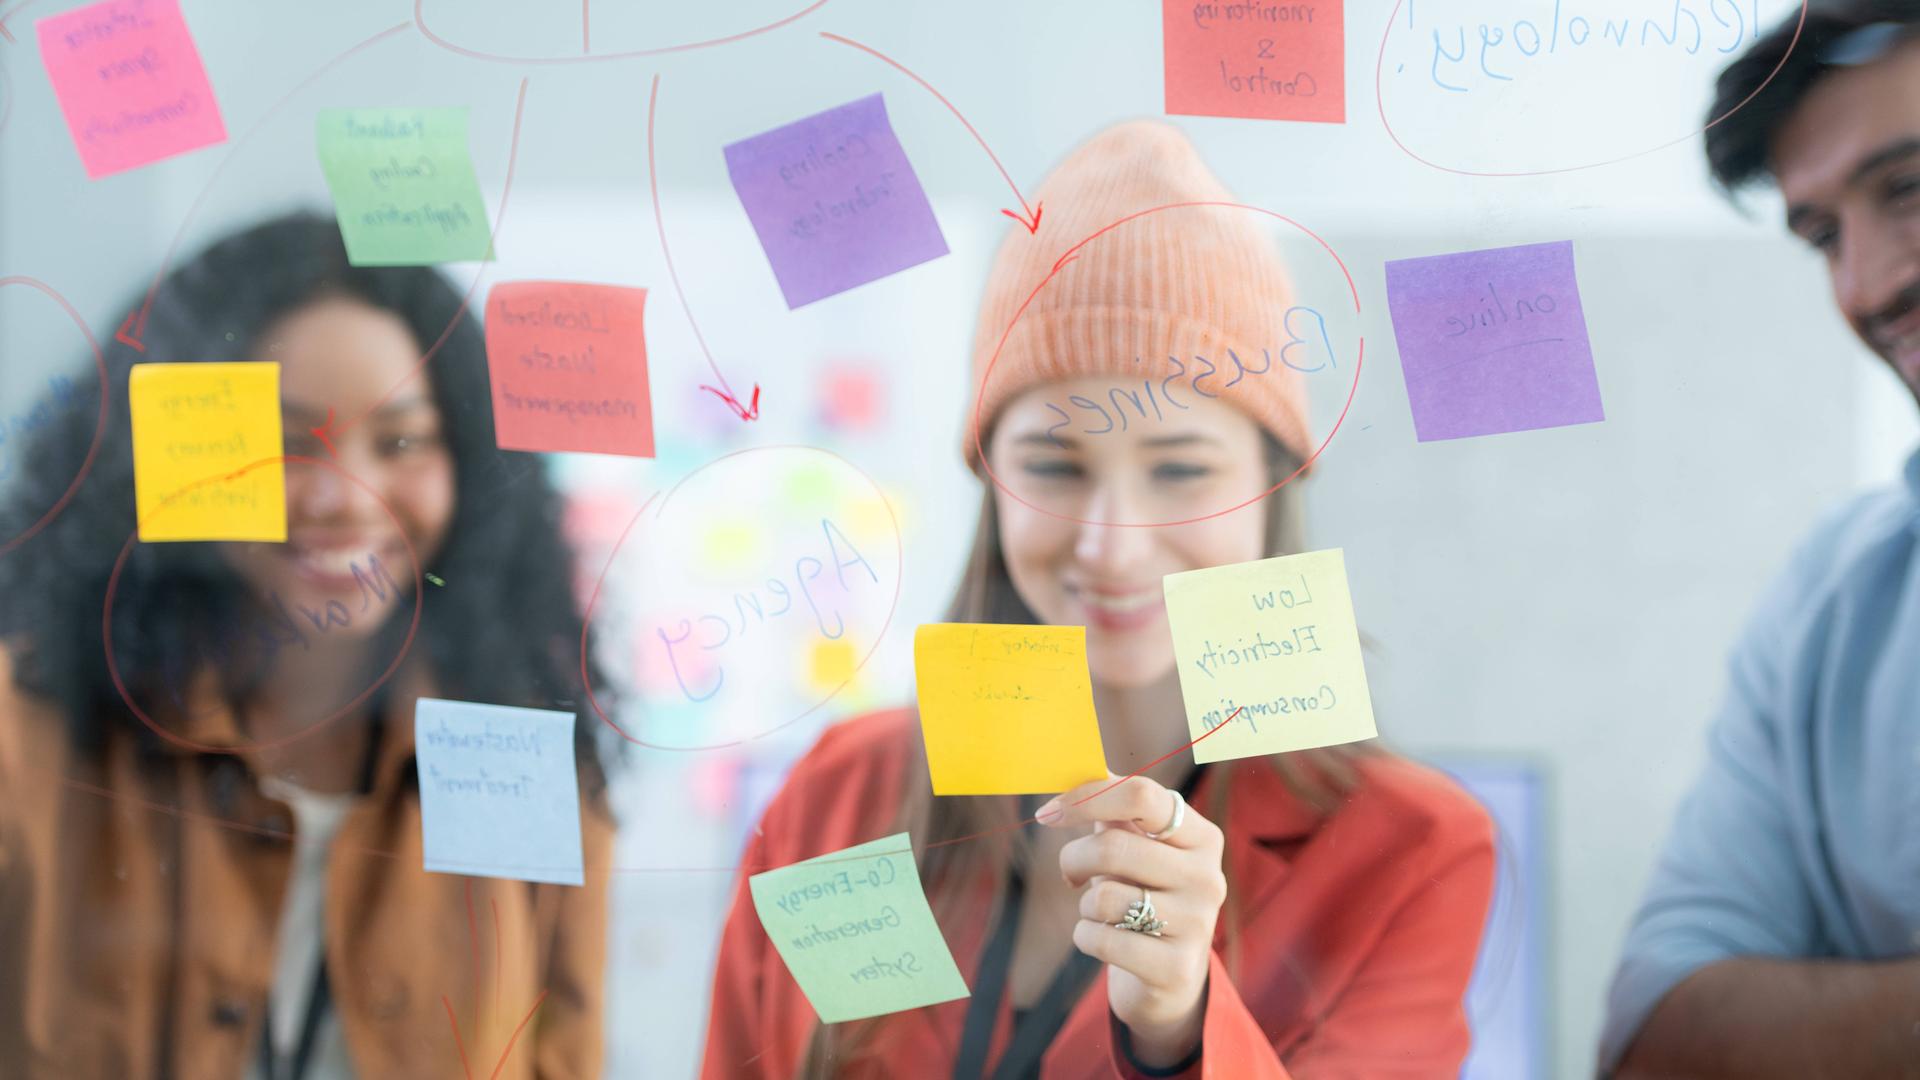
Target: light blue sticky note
(498,793)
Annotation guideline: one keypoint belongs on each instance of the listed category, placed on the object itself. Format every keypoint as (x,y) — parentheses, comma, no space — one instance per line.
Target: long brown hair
(1321,778)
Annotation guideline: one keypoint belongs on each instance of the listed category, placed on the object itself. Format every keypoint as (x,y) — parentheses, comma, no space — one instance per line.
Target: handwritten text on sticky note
(1256,61)
(194,422)
(568,364)
(1006,710)
(1493,341)
(498,793)
(855,930)
(1277,640)
(403,185)
(834,200)
(130,83)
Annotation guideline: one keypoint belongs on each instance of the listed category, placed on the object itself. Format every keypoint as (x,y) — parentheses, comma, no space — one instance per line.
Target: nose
(1878,261)
(1113,537)
(316,492)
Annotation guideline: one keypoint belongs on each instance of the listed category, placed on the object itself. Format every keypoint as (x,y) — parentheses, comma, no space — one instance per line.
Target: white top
(317,817)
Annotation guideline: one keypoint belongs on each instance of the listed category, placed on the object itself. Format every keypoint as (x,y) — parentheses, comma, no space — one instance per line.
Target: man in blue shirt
(1781,933)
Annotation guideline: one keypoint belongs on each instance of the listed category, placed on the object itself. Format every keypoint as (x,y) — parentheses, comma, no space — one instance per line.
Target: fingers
(1158,962)
(1127,855)
(1137,801)
(1107,900)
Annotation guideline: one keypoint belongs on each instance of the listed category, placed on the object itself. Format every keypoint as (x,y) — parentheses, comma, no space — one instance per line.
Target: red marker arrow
(724,392)
(1029,215)
(123,337)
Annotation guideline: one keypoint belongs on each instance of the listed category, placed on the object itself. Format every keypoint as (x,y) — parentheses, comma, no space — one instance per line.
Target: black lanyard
(319,1000)
(1035,1030)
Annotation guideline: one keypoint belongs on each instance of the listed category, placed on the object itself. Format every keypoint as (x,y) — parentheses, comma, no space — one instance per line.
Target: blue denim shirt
(1801,837)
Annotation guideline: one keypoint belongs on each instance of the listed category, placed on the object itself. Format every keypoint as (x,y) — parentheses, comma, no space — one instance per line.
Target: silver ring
(1141,918)
(1179,816)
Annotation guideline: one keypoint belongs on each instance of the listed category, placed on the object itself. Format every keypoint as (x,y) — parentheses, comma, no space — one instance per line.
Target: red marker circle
(113,587)
(1380,61)
(1065,260)
(593,600)
(99,427)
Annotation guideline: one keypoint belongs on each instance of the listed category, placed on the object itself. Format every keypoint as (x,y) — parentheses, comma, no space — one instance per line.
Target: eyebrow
(1161,441)
(1897,150)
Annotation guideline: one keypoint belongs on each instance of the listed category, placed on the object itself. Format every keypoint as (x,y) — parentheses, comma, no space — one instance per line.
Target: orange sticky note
(569,368)
(196,422)
(130,83)
(1006,710)
(1256,61)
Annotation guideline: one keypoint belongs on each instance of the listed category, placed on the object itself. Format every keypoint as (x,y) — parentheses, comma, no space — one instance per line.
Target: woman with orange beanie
(1313,914)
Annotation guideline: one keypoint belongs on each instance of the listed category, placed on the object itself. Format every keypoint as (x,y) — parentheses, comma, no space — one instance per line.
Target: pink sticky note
(1282,61)
(130,83)
(569,368)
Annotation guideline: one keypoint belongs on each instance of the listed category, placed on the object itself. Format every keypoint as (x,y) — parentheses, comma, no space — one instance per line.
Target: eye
(394,445)
(1823,237)
(1052,470)
(1903,187)
(1176,471)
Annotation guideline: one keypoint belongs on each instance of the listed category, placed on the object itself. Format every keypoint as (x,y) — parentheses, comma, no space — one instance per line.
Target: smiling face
(1848,163)
(1107,576)
(344,355)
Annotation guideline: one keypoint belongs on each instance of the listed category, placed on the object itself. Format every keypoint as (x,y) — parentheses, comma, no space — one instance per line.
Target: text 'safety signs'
(854,929)
(130,83)
(1006,710)
(568,363)
(1256,61)
(403,185)
(834,200)
(1277,640)
(498,793)
(193,422)
(1493,341)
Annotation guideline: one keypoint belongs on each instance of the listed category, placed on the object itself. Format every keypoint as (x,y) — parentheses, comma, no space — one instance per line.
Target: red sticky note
(1256,61)
(569,368)
(130,83)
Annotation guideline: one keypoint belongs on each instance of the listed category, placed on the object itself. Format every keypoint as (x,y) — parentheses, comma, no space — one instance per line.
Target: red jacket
(1358,930)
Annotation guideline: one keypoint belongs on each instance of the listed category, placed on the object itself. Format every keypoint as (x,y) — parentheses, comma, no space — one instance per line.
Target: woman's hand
(1155,985)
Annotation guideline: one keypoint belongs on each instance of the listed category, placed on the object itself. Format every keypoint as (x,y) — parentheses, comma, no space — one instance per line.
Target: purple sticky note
(1493,341)
(834,200)
(130,83)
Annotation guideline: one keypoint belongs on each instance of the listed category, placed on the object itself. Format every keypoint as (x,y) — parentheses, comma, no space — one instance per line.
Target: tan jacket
(139,904)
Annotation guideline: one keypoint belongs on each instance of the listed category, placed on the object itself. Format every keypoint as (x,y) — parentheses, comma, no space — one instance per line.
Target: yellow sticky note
(1006,710)
(196,421)
(1277,640)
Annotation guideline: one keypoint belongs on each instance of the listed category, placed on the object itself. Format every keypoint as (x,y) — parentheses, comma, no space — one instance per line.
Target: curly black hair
(505,629)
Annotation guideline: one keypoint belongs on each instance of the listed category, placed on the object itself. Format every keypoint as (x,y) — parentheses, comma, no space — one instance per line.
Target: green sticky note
(856,932)
(403,185)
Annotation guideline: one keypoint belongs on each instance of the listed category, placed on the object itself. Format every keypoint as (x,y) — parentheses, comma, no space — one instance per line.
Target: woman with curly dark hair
(232,883)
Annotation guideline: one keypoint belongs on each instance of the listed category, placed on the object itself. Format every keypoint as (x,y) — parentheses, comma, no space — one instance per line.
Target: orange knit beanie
(1189,287)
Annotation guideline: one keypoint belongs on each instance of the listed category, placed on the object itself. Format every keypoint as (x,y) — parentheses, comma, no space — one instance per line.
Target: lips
(1119,609)
(329,563)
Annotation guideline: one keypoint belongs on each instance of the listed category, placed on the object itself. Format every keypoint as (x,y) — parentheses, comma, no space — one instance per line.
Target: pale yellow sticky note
(1006,710)
(192,422)
(1277,640)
